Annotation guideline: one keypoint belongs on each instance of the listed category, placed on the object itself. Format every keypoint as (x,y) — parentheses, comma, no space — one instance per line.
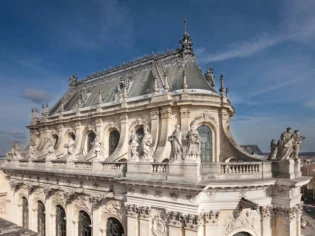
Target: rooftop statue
(15,152)
(210,77)
(176,144)
(287,147)
(193,152)
(51,150)
(73,81)
(133,146)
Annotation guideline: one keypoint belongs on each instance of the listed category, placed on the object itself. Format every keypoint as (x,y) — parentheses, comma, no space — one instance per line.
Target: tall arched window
(55,137)
(84,224)
(24,213)
(114,227)
(61,223)
(40,218)
(91,138)
(205,134)
(113,141)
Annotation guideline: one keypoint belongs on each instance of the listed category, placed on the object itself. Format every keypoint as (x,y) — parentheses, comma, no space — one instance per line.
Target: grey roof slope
(141,74)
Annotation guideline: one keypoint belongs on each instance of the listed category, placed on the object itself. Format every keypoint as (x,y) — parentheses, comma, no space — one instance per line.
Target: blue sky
(265,49)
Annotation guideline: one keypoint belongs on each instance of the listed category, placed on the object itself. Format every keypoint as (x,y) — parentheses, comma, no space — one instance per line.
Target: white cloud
(37,96)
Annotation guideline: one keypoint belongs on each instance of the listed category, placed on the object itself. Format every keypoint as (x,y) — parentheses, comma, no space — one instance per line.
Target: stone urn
(303,223)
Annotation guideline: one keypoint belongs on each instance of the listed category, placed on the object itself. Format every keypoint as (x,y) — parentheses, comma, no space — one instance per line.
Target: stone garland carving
(288,147)
(175,219)
(245,219)
(83,202)
(114,207)
(193,152)
(191,222)
(144,192)
(158,194)
(176,143)
(211,217)
(190,197)
(132,210)
(205,117)
(96,201)
(174,196)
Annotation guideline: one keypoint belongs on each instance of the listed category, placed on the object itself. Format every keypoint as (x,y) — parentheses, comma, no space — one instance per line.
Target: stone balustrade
(187,172)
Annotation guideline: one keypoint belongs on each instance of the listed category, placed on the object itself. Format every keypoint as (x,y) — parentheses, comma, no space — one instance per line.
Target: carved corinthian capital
(132,210)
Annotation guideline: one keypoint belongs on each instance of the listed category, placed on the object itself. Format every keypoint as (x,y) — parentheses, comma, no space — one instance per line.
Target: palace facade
(145,149)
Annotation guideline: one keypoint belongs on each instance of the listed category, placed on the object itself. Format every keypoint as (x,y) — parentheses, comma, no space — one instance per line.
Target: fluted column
(163,150)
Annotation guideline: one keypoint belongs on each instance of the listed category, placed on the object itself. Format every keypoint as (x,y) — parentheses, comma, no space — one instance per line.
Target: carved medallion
(158,227)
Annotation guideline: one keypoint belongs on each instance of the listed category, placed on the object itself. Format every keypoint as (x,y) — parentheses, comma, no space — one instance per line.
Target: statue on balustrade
(273,150)
(15,152)
(51,150)
(176,144)
(97,146)
(193,152)
(146,144)
(70,148)
(133,145)
(32,150)
(286,145)
(297,142)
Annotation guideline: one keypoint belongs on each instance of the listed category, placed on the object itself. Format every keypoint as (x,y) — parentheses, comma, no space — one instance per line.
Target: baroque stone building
(143,149)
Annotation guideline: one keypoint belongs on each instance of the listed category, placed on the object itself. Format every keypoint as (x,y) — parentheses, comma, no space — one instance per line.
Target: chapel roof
(137,78)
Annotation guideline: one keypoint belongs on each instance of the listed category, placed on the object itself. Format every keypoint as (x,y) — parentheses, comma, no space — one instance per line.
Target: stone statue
(286,145)
(70,148)
(51,150)
(273,150)
(146,144)
(32,150)
(210,77)
(297,141)
(97,146)
(176,143)
(133,144)
(15,152)
(193,139)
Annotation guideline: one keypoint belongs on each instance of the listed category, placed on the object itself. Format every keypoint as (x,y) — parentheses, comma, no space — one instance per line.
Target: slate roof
(252,149)
(141,74)
(8,228)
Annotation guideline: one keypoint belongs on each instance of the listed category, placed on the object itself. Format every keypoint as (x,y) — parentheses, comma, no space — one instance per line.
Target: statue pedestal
(289,169)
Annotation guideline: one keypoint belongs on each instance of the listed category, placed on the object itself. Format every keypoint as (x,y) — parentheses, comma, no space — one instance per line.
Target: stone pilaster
(61,137)
(164,147)
(154,127)
(211,223)
(133,226)
(191,225)
(266,213)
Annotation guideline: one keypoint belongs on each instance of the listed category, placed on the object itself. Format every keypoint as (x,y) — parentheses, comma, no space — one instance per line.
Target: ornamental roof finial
(222,85)
(185,26)
(185,86)
(186,41)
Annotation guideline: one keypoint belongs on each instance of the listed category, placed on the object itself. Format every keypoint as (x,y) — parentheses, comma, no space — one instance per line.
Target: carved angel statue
(70,147)
(176,144)
(193,151)
(210,77)
(133,145)
(146,144)
(51,150)
(15,152)
(297,142)
(273,150)
(98,148)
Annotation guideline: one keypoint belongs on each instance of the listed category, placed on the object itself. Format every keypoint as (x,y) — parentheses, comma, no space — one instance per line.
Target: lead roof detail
(137,78)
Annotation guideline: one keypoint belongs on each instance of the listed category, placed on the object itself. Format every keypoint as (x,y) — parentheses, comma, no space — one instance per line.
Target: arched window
(84,224)
(72,135)
(61,223)
(242,234)
(113,141)
(205,134)
(140,133)
(55,137)
(24,213)
(114,227)
(40,218)
(91,138)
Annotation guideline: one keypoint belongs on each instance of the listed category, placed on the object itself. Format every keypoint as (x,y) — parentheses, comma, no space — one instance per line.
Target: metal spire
(185,26)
